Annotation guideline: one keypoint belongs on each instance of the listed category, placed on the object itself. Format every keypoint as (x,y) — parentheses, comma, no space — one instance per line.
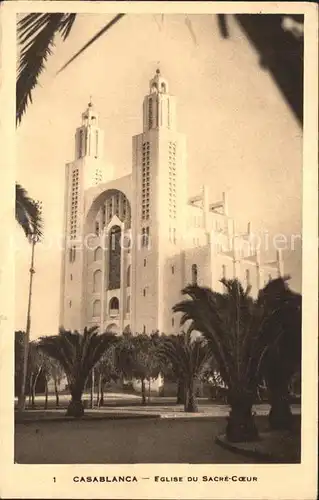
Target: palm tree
(78,354)
(189,359)
(283,360)
(28,213)
(238,331)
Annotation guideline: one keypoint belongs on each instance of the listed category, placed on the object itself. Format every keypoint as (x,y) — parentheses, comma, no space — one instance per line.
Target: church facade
(132,243)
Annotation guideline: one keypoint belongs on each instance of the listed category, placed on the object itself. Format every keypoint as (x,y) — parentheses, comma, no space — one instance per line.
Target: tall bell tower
(159,183)
(84,172)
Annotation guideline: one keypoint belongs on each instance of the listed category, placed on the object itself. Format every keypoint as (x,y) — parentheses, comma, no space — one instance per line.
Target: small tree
(135,358)
(106,371)
(78,354)
(57,374)
(35,370)
(189,359)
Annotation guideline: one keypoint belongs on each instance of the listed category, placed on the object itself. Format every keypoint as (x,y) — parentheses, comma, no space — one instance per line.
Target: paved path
(122,442)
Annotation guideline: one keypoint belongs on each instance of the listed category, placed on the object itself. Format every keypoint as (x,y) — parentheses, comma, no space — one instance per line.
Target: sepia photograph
(158,242)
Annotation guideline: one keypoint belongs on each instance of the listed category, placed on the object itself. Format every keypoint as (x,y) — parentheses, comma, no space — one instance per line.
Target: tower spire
(88,135)
(159,105)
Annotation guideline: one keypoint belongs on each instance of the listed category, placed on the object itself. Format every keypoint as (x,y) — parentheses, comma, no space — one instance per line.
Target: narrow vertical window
(97,280)
(98,254)
(115,258)
(128,276)
(128,304)
(96,308)
(81,145)
(96,144)
(150,113)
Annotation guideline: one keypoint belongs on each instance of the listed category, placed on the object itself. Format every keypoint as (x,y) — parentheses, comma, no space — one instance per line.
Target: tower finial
(90,102)
(158,71)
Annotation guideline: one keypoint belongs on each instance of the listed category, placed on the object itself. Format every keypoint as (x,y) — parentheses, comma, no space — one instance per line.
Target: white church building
(132,243)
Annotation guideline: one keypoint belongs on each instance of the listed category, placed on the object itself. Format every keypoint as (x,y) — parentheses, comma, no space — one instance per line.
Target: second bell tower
(159,182)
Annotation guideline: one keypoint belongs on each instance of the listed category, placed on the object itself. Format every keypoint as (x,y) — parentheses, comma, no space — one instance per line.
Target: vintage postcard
(159,265)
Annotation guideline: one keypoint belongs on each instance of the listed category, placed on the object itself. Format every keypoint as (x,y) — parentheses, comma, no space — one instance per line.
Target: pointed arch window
(128,304)
(114,306)
(97,279)
(96,308)
(115,258)
(194,274)
(98,254)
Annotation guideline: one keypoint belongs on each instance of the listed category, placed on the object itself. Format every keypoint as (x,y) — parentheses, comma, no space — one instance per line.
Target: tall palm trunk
(180,400)
(102,394)
(56,390)
(149,391)
(21,399)
(31,394)
(241,425)
(143,391)
(92,387)
(190,403)
(46,391)
(280,415)
(99,390)
(76,407)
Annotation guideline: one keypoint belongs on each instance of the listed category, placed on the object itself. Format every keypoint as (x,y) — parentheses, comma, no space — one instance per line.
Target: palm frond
(92,40)
(204,312)
(187,357)
(36,33)
(27,213)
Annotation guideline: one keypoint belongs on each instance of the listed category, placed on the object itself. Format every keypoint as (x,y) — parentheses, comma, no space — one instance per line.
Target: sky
(242,137)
